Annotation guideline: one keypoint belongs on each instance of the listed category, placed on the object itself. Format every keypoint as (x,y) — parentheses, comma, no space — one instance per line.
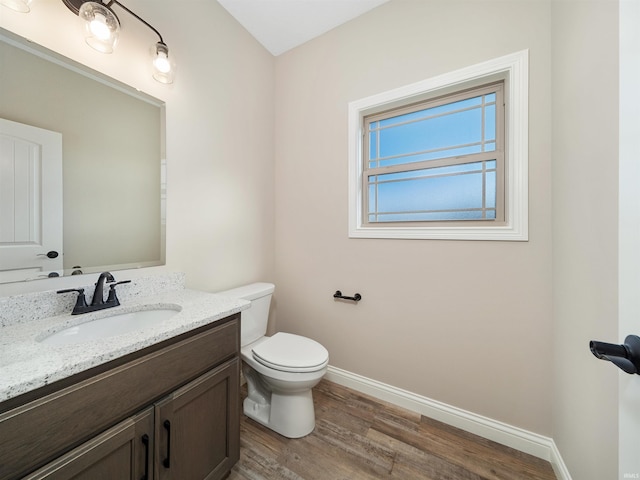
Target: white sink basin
(110,326)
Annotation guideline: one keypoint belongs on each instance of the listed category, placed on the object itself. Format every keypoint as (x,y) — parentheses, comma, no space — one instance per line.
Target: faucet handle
(112,299)
(81,301)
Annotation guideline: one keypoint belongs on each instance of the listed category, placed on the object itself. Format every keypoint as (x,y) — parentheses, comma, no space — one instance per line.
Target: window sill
(504,233)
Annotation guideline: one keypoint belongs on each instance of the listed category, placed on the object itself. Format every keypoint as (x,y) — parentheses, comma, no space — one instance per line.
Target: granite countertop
(26,364)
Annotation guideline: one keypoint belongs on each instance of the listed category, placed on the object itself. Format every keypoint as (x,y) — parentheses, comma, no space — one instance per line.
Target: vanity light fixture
(101,25)
(102,28)
(23,6)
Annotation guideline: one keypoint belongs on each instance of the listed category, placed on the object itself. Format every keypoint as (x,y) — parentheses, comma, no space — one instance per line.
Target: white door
(629,234)
(30,202)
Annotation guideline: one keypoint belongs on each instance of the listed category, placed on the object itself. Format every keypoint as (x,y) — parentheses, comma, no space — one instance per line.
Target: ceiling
(281,25)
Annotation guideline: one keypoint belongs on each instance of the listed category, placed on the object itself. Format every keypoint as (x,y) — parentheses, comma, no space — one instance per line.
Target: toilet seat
(291,353)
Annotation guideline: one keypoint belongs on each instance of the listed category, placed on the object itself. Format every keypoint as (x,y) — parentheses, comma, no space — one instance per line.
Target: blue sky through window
(450,192)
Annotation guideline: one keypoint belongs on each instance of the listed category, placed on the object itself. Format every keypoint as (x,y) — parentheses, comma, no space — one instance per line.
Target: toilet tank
(254,319)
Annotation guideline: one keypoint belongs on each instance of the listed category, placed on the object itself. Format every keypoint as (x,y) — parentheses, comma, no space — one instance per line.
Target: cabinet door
(198,427)
(122,452)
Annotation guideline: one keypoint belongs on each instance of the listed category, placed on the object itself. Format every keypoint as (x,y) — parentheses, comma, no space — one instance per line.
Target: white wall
(466,323)
(585,240)
(219,130)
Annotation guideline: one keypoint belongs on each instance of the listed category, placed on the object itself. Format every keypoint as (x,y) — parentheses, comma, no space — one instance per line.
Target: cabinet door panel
(118,453)
(201,440)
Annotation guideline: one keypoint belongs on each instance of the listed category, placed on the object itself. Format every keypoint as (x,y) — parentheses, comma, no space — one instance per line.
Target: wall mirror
(109,209)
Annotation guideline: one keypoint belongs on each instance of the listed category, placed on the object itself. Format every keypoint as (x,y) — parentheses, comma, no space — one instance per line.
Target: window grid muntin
(435,150)
(495,89)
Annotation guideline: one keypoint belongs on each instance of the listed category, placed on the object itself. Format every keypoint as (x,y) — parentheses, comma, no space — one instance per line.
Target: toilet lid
(291,353)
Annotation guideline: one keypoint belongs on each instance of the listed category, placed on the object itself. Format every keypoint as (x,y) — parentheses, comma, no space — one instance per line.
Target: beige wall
(219,131)
(467,323)
(221,167)
(585,194)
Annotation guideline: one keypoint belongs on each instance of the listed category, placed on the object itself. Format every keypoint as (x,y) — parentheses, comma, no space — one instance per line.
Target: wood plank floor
(358,437)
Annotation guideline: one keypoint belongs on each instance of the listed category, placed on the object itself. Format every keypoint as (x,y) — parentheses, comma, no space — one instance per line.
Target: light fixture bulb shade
(22,6)
(162,63)
(102,27)
(163,66)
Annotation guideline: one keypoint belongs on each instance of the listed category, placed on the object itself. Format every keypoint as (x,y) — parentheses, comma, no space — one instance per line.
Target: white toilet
(280,370)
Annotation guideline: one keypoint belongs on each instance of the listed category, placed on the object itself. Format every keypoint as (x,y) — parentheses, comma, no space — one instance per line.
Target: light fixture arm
(111,2)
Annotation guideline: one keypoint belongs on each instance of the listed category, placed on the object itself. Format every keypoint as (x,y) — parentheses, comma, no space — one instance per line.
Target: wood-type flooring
(358,437)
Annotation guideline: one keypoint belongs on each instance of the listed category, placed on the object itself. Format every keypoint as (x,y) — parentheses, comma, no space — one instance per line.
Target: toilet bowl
(280,370)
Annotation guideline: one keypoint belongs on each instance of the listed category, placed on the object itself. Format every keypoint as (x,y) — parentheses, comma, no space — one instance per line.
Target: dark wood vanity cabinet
(124,452)
(170,412)
(194,437)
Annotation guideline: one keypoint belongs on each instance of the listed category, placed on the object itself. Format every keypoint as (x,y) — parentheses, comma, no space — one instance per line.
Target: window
(441,160)
(444,158)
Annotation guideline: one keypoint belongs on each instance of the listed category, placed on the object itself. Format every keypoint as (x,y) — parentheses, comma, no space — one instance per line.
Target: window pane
(452,152)
(430,112)
(456,192)
(460,192)
(490,122)
(490,199)
(373,145)
(490,147)
(372,196)
(451,130)
(455,129)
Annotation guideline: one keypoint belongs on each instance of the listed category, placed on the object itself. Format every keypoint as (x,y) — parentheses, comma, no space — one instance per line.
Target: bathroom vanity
(162,403)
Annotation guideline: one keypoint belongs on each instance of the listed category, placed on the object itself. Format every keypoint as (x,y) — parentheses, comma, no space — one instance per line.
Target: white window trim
(516,67)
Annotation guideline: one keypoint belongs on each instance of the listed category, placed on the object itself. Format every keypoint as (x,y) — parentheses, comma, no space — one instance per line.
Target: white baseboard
(514,437)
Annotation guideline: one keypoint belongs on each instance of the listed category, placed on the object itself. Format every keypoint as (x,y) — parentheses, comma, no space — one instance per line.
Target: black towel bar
(356,298)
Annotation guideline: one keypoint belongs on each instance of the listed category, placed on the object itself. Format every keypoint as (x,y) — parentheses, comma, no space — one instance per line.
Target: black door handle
(51,254)
(167,461)
(625,356)
(145,441)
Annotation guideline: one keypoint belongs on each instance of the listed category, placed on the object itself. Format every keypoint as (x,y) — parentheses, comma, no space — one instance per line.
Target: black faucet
(98,295)
(97,303)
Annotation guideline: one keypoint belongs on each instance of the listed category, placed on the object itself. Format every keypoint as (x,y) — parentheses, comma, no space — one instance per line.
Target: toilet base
(289,413)
(292,416)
